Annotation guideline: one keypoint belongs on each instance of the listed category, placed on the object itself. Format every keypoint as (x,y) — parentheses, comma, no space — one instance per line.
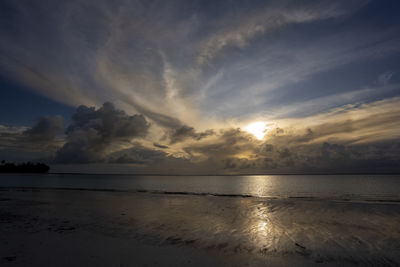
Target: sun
(257,129)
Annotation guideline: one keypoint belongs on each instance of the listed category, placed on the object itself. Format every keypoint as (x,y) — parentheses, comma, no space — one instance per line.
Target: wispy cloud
(92,52)
(185,77)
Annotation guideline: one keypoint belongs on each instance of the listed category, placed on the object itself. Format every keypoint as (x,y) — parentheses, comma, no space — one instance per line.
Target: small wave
(126,191)
(161,192)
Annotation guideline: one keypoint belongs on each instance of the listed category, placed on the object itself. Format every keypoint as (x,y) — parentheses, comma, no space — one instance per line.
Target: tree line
(25,167)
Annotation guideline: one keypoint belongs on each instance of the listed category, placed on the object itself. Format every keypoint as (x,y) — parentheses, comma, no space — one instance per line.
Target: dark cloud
(137,155)
(45,130)
(93,131)
(159,145)
(108,122)
(154,161)
(268,147)
(161,119)
(44,134)
(317,158)
(184,132)
(284,153)
(229,142)
(235,151)
(239,163)
(346,144)
(39,142)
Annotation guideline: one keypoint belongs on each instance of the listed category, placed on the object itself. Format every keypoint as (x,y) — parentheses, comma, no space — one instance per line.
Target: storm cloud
(38,142)
(184,132)
(93,131)
(359,138)
(45,130)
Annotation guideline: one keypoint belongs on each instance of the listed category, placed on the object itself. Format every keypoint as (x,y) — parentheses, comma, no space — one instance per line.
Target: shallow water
(238,231)
(353,187)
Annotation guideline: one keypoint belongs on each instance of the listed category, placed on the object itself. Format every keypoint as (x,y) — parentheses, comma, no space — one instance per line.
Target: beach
(72,227)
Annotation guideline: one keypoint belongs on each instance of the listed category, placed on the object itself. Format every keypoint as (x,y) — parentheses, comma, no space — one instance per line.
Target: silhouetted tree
(27,167)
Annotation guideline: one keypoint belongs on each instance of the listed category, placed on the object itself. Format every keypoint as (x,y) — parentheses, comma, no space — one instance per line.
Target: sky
(201,87)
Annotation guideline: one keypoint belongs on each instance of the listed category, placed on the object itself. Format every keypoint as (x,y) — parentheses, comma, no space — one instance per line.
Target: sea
(255,220)
(351,187)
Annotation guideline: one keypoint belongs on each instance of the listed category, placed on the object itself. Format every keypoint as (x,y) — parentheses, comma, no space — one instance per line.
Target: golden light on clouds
(258,129)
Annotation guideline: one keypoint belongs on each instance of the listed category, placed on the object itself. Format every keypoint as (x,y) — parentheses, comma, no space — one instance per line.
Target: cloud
(92,132)
(184,132)
(38,142)
(89,52)
(304,66)
(159,145)
(45,134)
(228,142)
(384,78)
(240,31)
(45,130)
(353,138)
(138,154)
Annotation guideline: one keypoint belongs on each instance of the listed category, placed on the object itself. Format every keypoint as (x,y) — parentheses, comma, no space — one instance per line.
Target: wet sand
(55,227)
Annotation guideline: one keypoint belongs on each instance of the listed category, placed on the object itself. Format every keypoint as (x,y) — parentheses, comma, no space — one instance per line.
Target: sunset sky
(201,87)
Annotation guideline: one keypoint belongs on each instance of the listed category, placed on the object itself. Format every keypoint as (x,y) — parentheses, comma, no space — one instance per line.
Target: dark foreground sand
(54,227)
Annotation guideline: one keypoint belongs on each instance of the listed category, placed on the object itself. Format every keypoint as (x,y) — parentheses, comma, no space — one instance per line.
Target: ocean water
(292,220)
(353,187)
